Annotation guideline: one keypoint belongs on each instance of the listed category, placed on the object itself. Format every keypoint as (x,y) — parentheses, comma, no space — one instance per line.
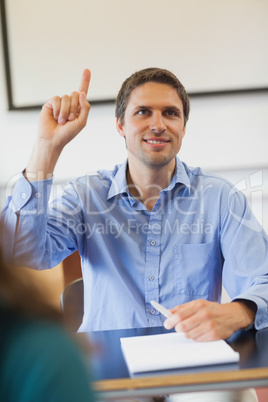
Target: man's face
(153,125)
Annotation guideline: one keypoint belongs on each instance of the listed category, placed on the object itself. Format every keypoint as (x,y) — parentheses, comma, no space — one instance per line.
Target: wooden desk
(112,380)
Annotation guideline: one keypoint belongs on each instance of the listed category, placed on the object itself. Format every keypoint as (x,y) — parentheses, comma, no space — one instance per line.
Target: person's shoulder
(36,334)
(44,351)
(197,175)
(103,177)
(215,187)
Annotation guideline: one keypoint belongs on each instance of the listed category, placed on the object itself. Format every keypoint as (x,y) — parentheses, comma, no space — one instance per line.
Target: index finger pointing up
(85,81)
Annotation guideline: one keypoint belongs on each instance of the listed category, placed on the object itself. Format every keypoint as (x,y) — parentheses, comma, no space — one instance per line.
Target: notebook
(173,351)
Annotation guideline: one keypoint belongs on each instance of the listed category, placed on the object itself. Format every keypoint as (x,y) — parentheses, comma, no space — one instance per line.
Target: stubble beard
(156,160)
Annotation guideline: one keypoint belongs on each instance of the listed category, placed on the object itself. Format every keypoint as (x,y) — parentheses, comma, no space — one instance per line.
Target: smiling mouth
(156,142)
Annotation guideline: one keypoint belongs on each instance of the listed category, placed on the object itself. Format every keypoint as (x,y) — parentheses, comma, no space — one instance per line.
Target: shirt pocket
(198,270)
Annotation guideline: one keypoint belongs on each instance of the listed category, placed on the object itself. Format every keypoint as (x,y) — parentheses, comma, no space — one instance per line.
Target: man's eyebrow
(168,107)
(172,107)
(143,107)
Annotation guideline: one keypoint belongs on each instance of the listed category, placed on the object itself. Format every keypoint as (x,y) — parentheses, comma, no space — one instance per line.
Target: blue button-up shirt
(200,232)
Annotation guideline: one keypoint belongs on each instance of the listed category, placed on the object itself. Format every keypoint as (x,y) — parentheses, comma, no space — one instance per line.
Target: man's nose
(157,124)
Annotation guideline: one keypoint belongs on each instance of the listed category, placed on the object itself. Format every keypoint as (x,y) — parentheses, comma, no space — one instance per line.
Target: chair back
(72,304)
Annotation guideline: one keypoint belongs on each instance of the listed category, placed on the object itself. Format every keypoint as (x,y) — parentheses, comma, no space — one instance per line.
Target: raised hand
(61,119)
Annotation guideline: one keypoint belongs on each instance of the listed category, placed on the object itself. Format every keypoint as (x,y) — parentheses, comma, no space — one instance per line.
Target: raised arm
(61,119)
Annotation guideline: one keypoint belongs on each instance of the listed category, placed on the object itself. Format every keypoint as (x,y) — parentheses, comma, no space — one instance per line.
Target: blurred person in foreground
(38,360)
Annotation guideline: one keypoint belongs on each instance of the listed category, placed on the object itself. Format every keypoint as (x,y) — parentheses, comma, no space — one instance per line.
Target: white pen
(161,309)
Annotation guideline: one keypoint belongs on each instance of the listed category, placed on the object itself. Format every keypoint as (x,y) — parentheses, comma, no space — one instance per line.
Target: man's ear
(120,127)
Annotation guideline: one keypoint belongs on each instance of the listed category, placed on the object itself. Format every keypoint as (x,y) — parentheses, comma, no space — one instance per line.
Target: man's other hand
(204,320)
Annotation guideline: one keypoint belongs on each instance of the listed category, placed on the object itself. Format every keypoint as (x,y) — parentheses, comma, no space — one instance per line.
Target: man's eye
(171,113)
(143,111)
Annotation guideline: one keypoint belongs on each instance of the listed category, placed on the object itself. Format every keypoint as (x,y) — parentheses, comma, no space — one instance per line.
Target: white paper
(173,350)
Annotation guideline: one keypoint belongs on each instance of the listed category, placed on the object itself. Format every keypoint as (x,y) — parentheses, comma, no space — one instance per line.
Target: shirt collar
(180,176)
(119,182)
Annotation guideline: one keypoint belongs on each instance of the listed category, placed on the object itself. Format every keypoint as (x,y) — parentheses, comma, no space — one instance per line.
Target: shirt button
(38,195)
(151,277)
(153,242)
(23,195)
(152,311)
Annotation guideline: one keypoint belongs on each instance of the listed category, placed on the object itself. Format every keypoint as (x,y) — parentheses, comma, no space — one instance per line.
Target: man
(151,229)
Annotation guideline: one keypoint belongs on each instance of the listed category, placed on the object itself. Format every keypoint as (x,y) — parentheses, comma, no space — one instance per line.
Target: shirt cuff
(30,195)
(261,317)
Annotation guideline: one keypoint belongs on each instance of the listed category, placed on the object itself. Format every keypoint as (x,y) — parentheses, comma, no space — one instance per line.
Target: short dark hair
(141,77)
